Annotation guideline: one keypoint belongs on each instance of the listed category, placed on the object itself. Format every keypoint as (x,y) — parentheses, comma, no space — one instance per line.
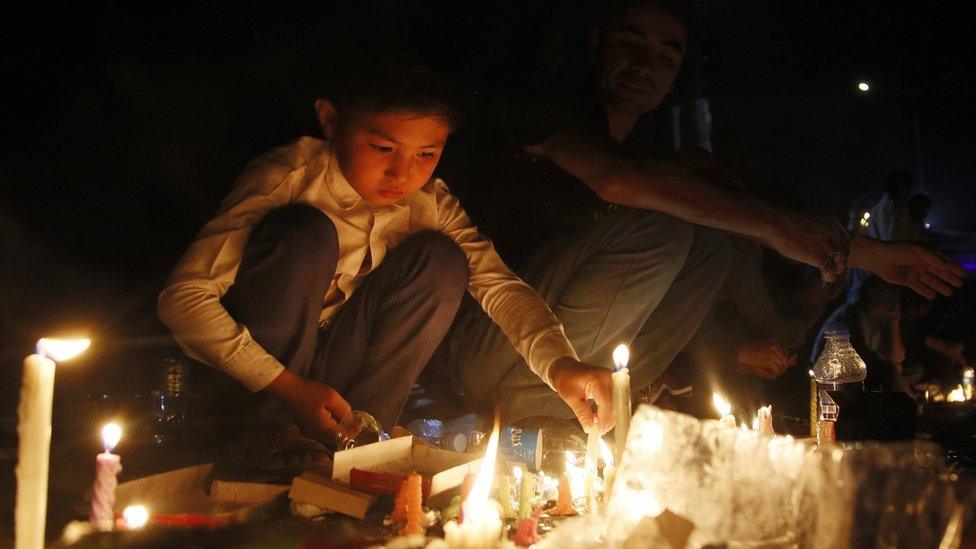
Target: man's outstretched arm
(664,186)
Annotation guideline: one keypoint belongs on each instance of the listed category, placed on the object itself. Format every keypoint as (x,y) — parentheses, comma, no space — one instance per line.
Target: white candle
(621,401)
(34,432)
(482,526)
(764,421)
(590,464)
(107,467)
(725,410)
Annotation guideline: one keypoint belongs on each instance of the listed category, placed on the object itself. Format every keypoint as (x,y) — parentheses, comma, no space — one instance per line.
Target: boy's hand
(316,407)
(576,382)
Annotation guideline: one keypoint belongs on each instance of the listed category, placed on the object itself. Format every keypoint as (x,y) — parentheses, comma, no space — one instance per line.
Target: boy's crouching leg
(288,262)
(382,339)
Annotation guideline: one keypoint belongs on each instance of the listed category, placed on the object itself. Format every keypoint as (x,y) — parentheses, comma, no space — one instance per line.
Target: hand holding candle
(107,468)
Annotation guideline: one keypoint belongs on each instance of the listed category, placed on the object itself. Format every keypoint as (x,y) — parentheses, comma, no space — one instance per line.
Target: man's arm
(907,264)
(664,186)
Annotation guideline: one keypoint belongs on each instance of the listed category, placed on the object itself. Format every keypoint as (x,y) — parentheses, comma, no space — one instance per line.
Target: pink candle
(107,468)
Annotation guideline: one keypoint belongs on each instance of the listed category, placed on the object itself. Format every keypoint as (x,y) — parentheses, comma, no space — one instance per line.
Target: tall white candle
(621,401)
(107,468)
(34,432)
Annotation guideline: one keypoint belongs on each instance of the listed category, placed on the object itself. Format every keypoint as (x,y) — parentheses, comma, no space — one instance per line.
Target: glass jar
(839,362)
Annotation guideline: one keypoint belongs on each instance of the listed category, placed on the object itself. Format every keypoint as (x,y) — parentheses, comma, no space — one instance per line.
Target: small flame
(721,405)
(867,215)
(135,516)
(111,434)
(576,476)
(477,501)
(60,350)
(957,395)
(517,473)
(621,356)
(810,372)
(755,423)
(606,454)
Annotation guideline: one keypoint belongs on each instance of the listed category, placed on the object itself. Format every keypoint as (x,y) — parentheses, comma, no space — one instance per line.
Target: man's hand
(907,264)
(815,240)
(764,358)
(576,382)
(316,408)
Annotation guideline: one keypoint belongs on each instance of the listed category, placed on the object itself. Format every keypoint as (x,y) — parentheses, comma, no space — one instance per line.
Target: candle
(764,421)
(415,507)
(34,432)
(135,516)
(482,526)
(589,463)
(608,469)
(107,467)
(725,410)
(504,496)
(527,531)
(526,495)
(813,405)
(564,502)
(621,400)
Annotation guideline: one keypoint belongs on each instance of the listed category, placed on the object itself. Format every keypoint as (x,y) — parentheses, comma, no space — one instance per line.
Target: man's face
(388,155)
(639,57)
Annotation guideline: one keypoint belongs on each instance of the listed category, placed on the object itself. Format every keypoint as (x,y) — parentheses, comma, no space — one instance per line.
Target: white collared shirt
(305,171)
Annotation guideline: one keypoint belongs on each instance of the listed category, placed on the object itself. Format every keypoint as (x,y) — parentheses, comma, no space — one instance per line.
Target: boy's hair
(395,86)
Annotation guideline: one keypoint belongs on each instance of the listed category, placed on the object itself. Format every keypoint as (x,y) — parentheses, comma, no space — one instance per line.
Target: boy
(334,268)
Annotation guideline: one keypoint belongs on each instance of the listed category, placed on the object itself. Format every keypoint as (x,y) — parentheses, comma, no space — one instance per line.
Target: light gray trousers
(636,277)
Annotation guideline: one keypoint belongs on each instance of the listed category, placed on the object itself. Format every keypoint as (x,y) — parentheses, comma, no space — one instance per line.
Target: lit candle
(135,517)
(504,495)
(608,469)
(814,416)
(482,526)
(621,400)
(107,467)
(725,410)
(34,432)
(764,421)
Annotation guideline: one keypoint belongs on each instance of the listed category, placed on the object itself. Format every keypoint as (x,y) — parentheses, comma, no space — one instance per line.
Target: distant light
(928,225)
(863,86)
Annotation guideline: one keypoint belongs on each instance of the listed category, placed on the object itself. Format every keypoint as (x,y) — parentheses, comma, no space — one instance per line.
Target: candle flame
(605,453)
(135,516)
(755,423)
(477,501)
(721,405)
(517,473)
(621,356)
(111,434)
(810,372)
(60,350)
(957,395)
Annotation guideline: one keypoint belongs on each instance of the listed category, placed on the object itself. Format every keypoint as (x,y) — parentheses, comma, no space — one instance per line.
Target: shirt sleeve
(190,303)
(511,303)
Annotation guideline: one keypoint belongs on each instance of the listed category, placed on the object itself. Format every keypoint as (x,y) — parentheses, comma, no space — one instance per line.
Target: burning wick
(725,410)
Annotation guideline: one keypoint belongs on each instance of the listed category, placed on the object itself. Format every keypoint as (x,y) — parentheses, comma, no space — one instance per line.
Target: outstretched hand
(317,408)
(576,383)
(906,264)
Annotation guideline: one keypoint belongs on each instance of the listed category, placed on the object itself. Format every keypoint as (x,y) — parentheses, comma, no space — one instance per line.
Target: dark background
(123,128)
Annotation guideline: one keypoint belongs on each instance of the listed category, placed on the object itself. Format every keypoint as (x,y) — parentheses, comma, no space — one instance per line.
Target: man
(632,254)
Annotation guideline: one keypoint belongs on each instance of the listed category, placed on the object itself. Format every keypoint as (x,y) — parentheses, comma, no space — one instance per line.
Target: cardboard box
(245,492)
(392,460)
(179,498)
(319,491)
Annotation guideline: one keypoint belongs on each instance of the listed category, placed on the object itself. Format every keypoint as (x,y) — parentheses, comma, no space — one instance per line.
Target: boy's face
(639,56)
(386,155)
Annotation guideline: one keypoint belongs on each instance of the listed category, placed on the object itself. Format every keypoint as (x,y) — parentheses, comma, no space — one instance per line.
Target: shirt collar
(338,185)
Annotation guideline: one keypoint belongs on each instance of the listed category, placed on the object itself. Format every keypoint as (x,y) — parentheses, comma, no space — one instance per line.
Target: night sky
(123,129)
